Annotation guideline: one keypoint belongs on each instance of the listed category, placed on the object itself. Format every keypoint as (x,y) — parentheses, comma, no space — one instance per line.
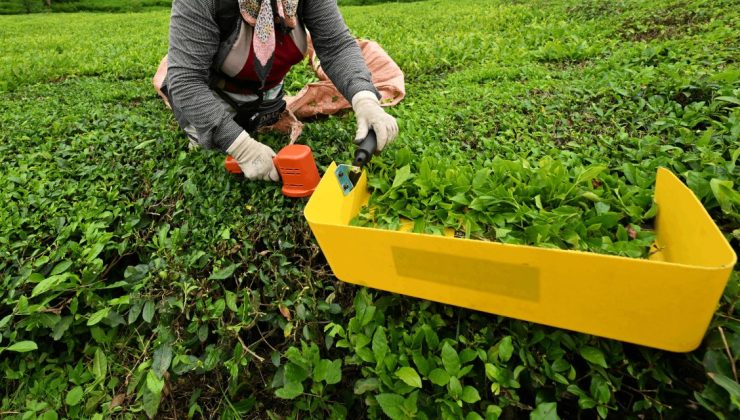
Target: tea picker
(225,69)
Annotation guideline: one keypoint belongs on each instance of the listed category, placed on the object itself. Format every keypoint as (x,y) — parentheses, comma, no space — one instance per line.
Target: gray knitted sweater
(196,51)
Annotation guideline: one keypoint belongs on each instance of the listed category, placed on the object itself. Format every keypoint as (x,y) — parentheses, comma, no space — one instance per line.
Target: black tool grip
(367,148)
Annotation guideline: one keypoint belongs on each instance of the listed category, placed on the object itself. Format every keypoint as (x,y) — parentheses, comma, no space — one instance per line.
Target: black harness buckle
(251,116)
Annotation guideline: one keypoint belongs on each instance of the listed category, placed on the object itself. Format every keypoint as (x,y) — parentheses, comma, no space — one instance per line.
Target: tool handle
(367,148)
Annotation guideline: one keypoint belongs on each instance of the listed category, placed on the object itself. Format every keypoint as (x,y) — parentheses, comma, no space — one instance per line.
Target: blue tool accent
(344,174)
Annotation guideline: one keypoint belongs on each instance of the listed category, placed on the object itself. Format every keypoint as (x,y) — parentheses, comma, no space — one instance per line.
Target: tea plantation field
(139,279)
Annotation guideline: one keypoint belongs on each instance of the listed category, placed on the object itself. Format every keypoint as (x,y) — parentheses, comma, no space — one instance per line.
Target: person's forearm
(337,50)
(216,128)
(194,40)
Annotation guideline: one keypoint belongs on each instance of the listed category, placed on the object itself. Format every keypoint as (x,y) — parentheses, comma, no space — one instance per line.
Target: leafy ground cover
(11,7)
(139,278)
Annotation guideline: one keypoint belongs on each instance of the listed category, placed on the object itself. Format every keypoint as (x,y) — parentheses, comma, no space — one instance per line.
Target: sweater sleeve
(337,50)
(193,43)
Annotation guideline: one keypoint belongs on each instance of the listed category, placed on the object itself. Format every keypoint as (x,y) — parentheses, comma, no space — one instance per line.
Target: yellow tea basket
(666,301)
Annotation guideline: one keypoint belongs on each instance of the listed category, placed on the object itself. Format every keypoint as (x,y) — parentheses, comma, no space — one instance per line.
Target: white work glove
(370,114)
(254,158)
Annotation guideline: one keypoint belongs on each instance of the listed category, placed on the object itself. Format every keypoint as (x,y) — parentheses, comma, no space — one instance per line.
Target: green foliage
(11,7)
(370,2)
(515,202)
(138,277)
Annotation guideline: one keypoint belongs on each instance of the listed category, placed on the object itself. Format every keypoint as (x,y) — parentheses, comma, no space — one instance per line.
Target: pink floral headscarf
(260,15)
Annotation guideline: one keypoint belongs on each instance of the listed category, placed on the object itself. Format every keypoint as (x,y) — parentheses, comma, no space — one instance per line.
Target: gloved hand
(254,158)
(370,114)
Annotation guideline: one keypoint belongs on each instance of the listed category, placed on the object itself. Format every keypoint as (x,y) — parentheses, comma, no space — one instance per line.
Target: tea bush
(138,278)
(10,7)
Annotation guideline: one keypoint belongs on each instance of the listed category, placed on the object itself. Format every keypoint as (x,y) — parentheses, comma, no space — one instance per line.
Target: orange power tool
(296,167)
(298,171)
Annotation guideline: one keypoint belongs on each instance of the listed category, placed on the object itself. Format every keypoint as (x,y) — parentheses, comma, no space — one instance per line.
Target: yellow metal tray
(666,301)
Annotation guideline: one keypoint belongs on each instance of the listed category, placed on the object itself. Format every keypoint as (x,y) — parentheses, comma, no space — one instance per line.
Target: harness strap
(261,112)
(227,17)
(258,113)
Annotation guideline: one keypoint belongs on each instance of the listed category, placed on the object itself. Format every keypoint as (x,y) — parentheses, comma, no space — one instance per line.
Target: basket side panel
(686,234)
(653,304)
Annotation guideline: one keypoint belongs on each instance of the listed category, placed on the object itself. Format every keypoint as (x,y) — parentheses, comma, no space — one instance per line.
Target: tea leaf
(439,377)
(22,347)
(290,391)
(224,273)
(594,356)
(329,371)
(100,365)
(545,411)
(450,360)
(98,316)
(148,312)
(505,349)
(391,404)
(74,396)
(470,395)
(409,376)
(162,358)
(402,175)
